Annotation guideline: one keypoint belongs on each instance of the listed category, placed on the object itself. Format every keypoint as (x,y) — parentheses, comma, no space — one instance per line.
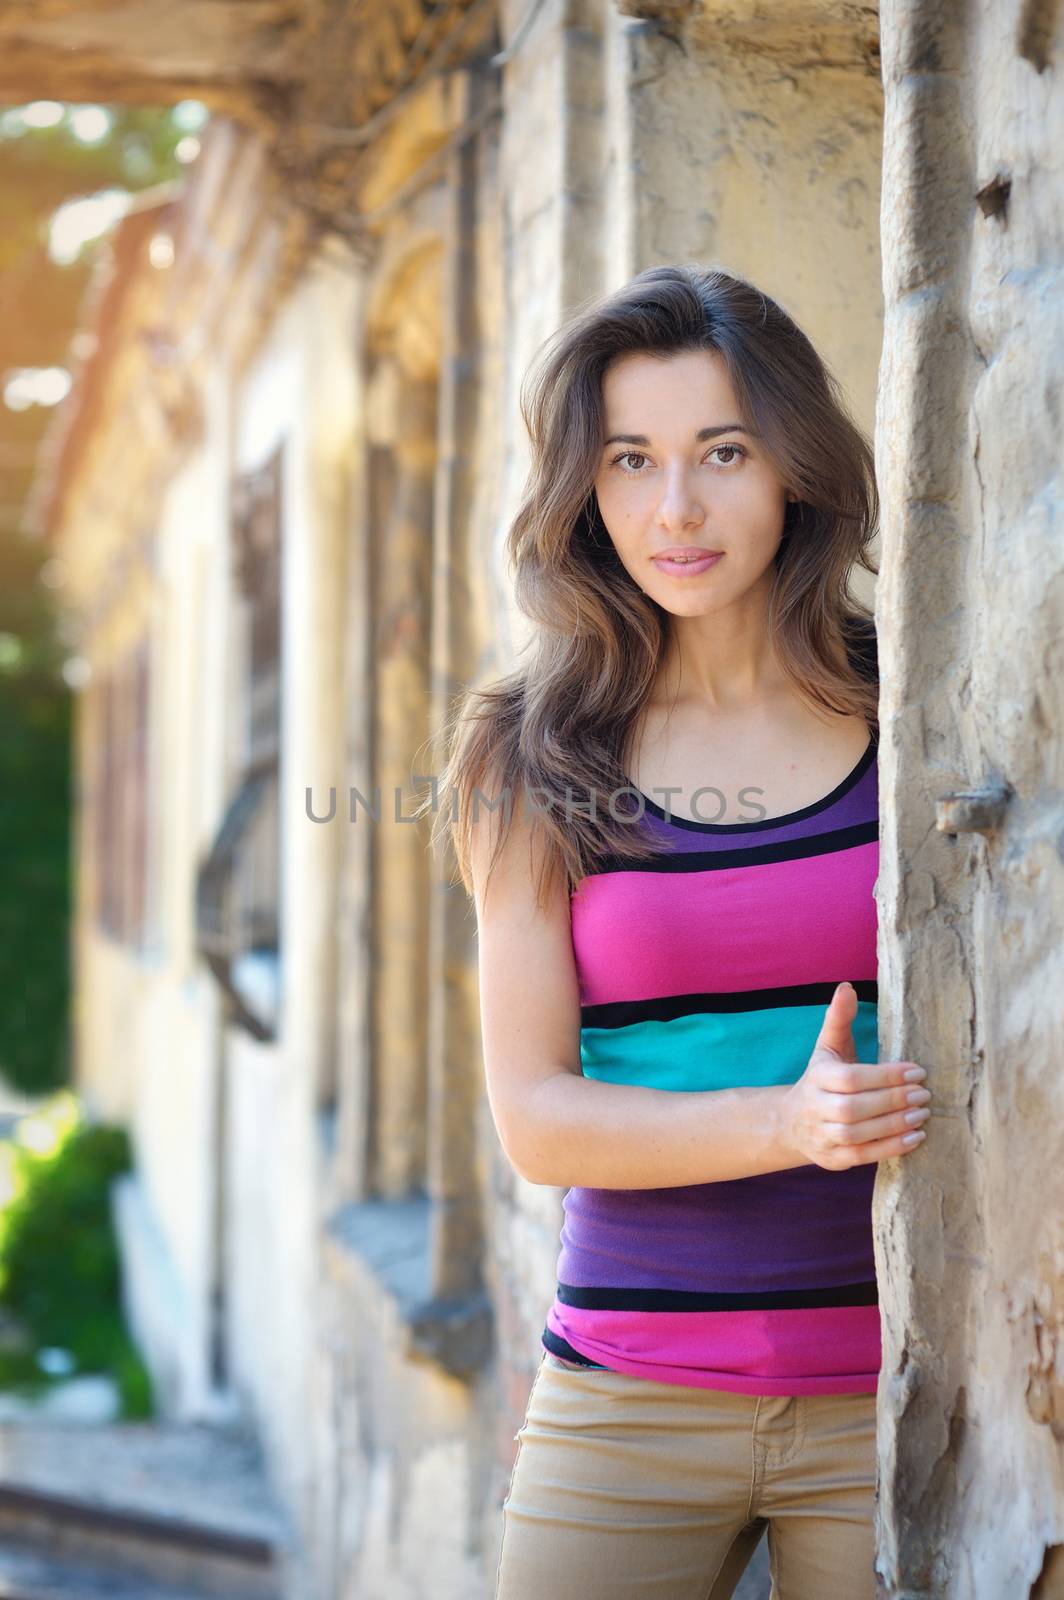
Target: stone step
(31,1575)
(184,1507)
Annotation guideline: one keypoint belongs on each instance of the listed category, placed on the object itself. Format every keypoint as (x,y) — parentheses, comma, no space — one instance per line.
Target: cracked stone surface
(970,608)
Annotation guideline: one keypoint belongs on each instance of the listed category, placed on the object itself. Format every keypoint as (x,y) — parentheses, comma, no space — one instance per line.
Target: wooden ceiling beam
(139,51)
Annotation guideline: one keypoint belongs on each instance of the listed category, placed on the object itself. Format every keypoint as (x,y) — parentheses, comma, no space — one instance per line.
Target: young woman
(668,819)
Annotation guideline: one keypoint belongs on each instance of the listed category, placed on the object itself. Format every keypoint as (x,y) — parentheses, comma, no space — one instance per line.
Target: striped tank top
(707,968)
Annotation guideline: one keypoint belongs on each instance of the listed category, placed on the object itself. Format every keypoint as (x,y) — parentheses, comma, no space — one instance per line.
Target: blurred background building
(279,489)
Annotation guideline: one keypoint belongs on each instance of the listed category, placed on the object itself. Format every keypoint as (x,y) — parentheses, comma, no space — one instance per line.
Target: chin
(690,605)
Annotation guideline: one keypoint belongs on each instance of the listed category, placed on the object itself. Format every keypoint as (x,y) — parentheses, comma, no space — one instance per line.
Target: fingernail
(913,1138)
(914,1074)
(846,986)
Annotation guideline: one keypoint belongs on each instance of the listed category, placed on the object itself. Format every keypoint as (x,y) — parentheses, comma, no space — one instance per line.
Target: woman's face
(679,471)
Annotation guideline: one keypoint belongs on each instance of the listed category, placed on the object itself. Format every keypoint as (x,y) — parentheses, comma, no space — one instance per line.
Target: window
(238,886)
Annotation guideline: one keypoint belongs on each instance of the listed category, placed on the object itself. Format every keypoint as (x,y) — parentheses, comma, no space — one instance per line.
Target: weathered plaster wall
(216,358)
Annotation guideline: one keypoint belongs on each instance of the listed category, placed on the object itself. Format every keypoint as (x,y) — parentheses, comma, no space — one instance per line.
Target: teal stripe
(719,1050)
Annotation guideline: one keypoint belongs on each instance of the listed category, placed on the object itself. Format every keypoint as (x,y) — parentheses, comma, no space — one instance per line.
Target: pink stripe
(645,935)
(822,1350)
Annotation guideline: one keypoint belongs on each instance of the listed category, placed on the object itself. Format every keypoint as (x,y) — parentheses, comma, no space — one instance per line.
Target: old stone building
(282,486)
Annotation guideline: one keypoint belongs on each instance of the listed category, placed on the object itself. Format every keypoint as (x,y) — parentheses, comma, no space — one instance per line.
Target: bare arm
(560,1128)
(581,1131)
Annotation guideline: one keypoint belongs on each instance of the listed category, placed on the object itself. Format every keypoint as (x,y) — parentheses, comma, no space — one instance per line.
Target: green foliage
(35,821)
(60,1270)
(40,169)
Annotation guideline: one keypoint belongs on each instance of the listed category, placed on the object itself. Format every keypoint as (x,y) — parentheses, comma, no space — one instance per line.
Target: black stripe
(561,1347)
(666,1008)
(821,844)
(841,1294)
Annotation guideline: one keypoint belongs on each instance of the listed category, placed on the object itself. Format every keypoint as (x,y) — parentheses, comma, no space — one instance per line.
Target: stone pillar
(455,1076)
(402,561)
(970,607)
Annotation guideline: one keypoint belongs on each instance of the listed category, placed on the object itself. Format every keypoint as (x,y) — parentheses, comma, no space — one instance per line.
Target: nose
(679,507)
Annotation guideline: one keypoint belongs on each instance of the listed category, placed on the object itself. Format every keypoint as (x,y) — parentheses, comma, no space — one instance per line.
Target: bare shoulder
(508,854)
(529,992)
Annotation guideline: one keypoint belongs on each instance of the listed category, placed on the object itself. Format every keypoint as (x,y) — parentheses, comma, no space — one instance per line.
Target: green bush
(60,1270)
(35,911)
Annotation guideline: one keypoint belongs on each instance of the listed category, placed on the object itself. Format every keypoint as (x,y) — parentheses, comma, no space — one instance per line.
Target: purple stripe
(803,1227)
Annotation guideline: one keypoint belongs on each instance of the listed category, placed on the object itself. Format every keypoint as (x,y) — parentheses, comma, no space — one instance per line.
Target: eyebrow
(700,436)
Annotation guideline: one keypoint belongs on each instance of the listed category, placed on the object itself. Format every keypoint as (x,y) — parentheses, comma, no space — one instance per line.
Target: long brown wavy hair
(557,726)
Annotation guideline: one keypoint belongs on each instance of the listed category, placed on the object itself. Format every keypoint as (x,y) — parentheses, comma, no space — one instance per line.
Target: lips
(688,562)
(680,551)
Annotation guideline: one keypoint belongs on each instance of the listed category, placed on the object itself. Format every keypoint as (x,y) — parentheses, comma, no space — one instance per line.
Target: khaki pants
(625,1488)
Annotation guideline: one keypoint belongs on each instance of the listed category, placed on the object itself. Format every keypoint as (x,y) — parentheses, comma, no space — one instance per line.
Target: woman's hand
(843,1112)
